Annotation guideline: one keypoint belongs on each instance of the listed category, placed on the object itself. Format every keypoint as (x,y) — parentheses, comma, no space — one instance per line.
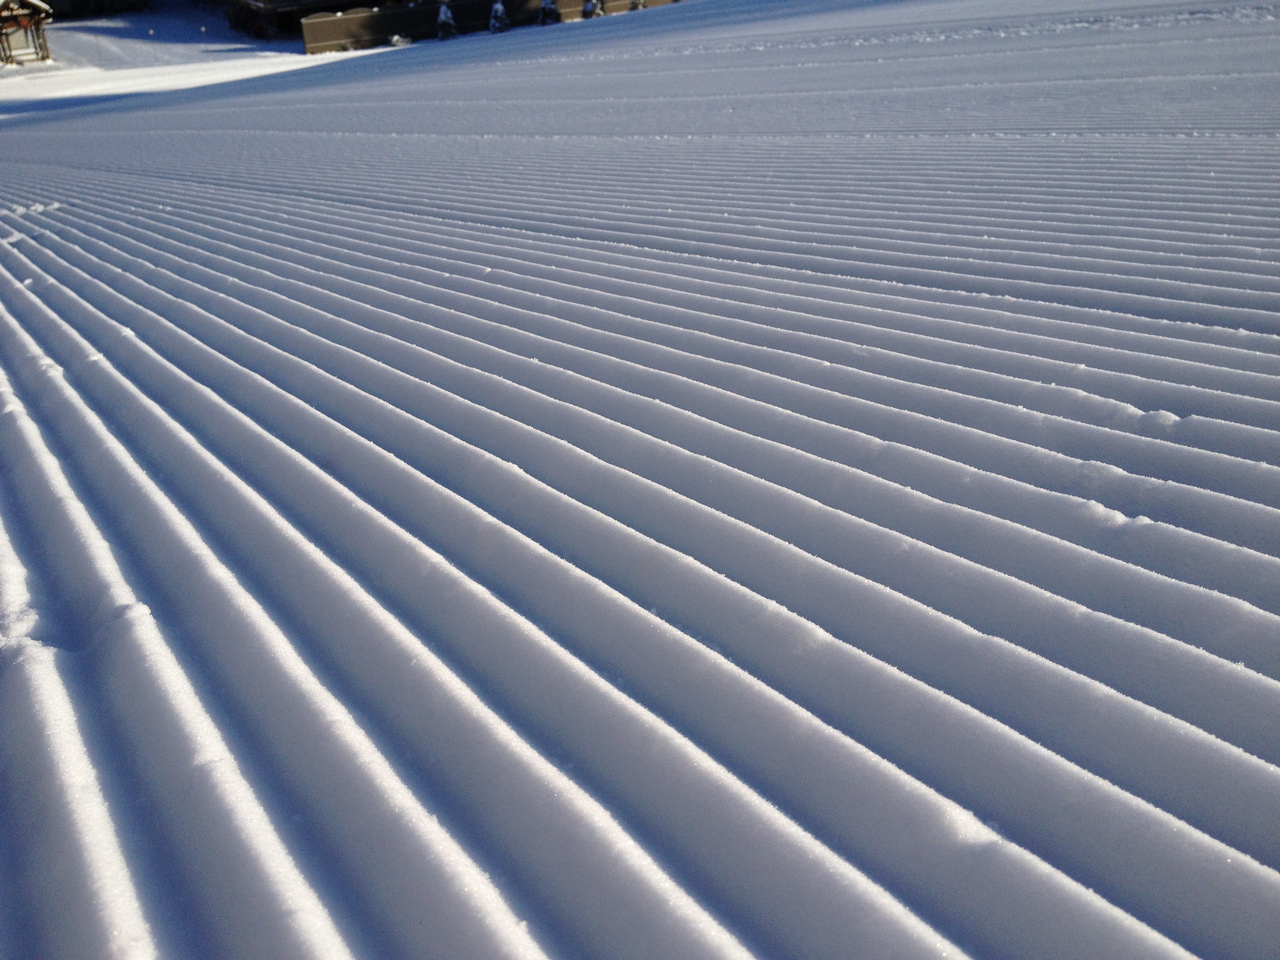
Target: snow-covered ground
(777,478)
(173,45)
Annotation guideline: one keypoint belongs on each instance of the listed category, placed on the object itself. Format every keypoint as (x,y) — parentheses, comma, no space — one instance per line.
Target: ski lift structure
(325,31)
(22,30)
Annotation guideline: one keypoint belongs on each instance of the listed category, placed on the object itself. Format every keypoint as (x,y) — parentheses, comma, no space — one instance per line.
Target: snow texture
(775,478)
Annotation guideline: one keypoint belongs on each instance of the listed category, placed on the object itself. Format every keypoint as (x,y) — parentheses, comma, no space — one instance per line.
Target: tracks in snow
(780,552)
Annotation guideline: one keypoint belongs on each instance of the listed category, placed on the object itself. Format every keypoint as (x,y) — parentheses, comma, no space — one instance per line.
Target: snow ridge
(757,479)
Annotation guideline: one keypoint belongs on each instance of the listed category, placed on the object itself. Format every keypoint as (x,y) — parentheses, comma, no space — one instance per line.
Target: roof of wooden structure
(15,9)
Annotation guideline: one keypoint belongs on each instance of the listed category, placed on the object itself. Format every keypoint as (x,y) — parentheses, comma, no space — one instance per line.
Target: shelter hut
(22,30)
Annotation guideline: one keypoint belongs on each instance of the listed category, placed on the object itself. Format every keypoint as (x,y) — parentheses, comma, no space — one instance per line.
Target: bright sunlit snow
(776,478)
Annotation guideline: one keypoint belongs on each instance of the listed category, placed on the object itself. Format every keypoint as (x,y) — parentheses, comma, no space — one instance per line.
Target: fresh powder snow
(745,478)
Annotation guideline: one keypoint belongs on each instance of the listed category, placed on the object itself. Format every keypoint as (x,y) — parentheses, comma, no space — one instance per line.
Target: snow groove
(833,817)
(231,854)
(771,478)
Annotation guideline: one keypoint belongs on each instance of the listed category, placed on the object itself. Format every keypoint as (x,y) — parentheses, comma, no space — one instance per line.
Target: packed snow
(745,478)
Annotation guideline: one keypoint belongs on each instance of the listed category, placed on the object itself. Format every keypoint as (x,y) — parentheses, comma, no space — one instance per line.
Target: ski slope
(754,478)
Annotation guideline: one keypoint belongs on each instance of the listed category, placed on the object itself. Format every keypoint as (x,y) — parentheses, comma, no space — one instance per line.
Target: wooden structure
(368,26)
(573,9)
(22,30)
(362,27)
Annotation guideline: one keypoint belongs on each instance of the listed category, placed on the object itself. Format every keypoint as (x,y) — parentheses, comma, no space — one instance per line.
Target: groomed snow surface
(776,478)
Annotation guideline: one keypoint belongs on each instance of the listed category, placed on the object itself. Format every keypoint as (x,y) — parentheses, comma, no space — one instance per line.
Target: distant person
(446,29)
(548,13)
(498,22)
(592,8)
